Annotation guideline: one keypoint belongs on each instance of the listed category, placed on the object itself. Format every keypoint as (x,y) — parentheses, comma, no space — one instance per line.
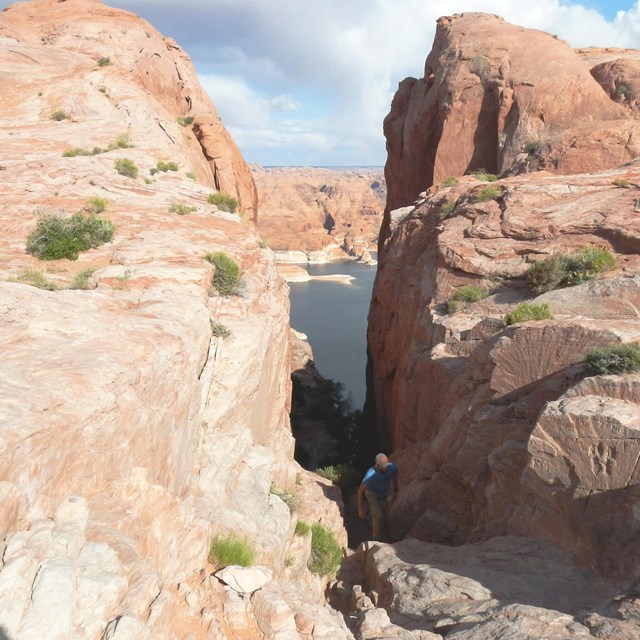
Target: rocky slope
(508,100)
(132,431)
(500,430)
(325,214)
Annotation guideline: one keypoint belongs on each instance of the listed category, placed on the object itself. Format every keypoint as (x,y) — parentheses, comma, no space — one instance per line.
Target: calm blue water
(334,317)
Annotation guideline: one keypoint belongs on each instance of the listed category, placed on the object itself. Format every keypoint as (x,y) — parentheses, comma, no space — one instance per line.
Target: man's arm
(361,512)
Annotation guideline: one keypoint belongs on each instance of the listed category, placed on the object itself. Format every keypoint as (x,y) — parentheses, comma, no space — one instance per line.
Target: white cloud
(335,64)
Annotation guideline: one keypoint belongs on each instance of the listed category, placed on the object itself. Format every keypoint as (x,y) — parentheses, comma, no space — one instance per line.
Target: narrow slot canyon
(211,327)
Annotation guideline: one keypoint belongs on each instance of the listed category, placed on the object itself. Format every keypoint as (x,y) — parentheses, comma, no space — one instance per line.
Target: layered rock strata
(142,413)
(508,100)
(312,214)
(499,429)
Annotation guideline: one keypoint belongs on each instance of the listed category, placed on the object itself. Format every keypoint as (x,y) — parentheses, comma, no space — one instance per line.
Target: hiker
(376,486)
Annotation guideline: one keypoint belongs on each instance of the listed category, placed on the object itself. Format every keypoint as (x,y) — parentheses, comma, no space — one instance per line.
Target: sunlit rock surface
(133,429)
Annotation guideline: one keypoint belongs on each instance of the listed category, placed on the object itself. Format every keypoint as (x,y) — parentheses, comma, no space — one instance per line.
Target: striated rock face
(328,214)
(508,587)
(496,428)
(508,100)
(66,39)
(132,431)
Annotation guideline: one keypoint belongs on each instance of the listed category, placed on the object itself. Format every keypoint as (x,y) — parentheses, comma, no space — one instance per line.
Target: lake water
(334,318)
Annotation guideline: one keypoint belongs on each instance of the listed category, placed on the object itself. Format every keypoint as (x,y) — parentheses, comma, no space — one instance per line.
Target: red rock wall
(508,100)
(493,427)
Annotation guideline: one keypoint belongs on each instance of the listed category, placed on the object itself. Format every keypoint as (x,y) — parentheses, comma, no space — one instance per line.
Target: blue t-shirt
(377,481)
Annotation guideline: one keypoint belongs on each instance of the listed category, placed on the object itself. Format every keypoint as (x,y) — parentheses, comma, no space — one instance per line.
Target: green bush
(344,475)
(481,174)
(446,208)
(231,549)
(486,194)
(326,553)
(56,237)
(227,277)
(219,330)
(568,269)
(450,181)
(531,146)
(82,280)
(464,295)
(223,201)
(620,182)
(104,61)
(95,205)
(526,311)
(166,166)
(302,528)
(78,151)
(292,501)
(190,175)
(121,142)
(181,209)
(59,115)
(126,167)
(185,121)
(614,359)
(36,278)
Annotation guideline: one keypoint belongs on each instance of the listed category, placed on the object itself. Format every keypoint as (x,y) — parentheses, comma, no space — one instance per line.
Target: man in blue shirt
(376,486)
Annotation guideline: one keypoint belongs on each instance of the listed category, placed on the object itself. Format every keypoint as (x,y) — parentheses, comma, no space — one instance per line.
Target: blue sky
(308,82)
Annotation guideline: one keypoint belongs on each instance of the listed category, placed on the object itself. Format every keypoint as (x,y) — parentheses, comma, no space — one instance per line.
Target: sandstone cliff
(141,414)
(500,430)
(325,213)
(508,100)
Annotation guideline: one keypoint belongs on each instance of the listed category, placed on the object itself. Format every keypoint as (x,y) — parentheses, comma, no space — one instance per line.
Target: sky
(309,82)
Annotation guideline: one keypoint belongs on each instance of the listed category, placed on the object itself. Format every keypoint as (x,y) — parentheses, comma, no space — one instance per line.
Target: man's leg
(377,516)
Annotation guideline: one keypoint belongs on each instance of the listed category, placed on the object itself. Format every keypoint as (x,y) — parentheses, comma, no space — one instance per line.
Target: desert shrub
(526,311)
(620,182)
(614,359)
(302,528)
(185,121)
(588,262)
(231,549)
(181,209)
(219,330)
(344,475)
(446,208)
(623,91)
(548,274)
(450,181)
(82,280)
(59,115)
(78,151)
(326,553)
(190,175)
(486,194)
(35,278)
(121,142)
(126,167)
(166,166)
(223,201)
(482,174)
(104,61)
(292,501)
(531,146)
(56,237)
(569,269)
(95,205)
(263,244)
(465,294)
(227,276)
